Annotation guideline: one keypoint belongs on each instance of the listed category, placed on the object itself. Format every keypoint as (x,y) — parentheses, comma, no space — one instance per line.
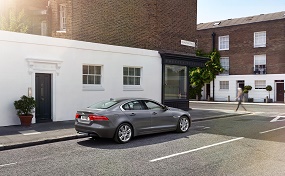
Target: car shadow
(137,141)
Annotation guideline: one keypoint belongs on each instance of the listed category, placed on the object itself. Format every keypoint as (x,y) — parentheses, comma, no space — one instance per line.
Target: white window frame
(62,17)
(132,87)
(224,85)
(225,63)
(260,63)
(93,86)
(260,39)
(260,84)
(224,42)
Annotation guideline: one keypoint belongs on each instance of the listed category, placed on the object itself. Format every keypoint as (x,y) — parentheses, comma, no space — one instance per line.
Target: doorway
(280,91)
(43,97)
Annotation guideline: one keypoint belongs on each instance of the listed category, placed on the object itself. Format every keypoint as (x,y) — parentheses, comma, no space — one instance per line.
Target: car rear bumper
(95,130)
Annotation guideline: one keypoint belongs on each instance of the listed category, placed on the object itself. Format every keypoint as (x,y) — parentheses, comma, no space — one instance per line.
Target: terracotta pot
(26,120)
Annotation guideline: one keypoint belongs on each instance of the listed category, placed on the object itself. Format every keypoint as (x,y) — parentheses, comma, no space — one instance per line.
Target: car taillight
(77,116)
(96,117)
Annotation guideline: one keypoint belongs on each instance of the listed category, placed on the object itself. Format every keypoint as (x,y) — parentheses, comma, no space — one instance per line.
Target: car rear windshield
(103,104)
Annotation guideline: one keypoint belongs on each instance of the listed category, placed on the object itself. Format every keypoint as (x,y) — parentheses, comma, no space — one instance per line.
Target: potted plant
(245,95)
(25,107)
(268,88)
(246,90)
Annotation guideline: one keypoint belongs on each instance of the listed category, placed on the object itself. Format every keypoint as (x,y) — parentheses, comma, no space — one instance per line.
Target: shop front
(175,78)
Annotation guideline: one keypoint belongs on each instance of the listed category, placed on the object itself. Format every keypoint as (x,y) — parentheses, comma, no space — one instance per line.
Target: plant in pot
(25,107)
(245,95)
(246,90)
(268,88)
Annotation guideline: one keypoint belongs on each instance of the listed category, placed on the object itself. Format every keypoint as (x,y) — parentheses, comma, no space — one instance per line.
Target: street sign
(188,43)
(276,119)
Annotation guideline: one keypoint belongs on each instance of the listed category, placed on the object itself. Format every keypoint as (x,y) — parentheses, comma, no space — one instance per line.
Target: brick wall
(149,24)
(242,51)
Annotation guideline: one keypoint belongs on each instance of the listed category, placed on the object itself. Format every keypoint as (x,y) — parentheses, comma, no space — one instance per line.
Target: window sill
(132,88)
(60,31)
(92,88)
(260,46)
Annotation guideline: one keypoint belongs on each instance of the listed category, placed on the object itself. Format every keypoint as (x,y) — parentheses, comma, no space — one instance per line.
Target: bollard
(229,98)
(266,99)
(208,97)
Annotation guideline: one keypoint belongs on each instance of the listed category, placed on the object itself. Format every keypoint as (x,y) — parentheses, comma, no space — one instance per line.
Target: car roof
(120,99)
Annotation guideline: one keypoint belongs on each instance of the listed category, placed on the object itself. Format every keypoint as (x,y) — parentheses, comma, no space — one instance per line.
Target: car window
(103,104)
(133,105)
(152,105)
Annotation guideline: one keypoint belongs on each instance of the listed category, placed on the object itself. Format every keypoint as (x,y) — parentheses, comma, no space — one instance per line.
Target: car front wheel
(123,133)
(183,124)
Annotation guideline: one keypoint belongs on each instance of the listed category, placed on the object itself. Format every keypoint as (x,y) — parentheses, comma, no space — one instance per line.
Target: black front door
(280,92)
(43,97)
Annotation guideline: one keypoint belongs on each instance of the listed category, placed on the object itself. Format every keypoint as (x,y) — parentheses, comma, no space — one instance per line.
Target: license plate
(84,118)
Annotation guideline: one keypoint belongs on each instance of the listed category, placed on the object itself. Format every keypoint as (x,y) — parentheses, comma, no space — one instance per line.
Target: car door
(161,118)
(139,116)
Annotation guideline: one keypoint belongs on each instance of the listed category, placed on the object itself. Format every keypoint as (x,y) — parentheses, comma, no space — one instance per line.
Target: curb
(40,142)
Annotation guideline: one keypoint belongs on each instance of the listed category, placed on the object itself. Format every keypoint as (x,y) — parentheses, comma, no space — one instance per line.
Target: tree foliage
(15,22)
(200,76)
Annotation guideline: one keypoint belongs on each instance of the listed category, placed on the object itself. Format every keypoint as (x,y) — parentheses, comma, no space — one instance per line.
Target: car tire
(123,133)
(183,125)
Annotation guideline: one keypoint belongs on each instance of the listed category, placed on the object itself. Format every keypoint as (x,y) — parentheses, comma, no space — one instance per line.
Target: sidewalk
(12,137)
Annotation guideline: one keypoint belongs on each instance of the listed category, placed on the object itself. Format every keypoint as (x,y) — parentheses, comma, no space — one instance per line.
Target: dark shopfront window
(175,82)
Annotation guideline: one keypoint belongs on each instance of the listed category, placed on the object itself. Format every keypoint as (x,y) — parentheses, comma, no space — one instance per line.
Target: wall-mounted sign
(188,43)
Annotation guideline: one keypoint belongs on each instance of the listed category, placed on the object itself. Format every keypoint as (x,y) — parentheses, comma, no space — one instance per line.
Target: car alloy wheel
(123,133)
(183,124)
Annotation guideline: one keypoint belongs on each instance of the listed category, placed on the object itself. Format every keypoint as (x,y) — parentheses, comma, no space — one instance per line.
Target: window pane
(91,69)
(126,71)
(131,81)
(97,79)
(84,79)
(85,69)
(137,71)
(98,70)
(131,72)
(91,79)
(125,80)
(137,80)
(175,82)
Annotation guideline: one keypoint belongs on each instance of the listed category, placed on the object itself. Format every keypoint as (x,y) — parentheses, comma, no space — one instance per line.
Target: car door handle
(154,113)
(132,114)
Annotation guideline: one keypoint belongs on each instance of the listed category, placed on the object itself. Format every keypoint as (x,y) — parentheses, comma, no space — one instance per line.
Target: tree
(268,88)
(15,22)
(200,76)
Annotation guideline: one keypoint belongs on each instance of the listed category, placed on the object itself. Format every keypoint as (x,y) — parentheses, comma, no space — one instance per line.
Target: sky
(215,10)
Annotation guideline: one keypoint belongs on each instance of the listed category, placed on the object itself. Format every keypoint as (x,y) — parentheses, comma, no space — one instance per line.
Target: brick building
(148,24)
(252,53)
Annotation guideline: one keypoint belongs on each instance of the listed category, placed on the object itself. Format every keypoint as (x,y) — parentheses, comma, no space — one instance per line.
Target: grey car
(124,118)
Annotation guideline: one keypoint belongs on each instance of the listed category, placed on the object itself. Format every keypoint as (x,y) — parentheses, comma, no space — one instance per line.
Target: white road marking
(3,165)
(272,130)
(194,150)
(276,119)
(29,132)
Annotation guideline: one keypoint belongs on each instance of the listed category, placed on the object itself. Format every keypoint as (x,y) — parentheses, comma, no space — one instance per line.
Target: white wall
(257,94)
(23,55)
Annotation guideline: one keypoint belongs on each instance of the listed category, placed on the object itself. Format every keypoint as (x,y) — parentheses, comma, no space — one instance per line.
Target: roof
(244,20)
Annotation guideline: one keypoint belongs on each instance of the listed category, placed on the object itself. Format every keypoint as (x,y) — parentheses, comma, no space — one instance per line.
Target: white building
(66,75)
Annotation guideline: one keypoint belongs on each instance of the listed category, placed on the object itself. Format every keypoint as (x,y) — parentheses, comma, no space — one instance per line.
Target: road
(243,145)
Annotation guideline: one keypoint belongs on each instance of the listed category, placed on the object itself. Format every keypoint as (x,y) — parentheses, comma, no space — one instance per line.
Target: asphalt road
(241,145)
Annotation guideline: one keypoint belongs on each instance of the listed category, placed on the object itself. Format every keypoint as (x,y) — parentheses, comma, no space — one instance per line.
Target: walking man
(239,98)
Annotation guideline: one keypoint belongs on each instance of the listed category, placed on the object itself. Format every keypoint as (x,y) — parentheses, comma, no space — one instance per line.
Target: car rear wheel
(123,133)
(183,124)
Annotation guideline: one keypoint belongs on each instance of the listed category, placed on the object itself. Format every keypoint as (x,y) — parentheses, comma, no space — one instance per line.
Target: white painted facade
(24,55)
(258,95)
